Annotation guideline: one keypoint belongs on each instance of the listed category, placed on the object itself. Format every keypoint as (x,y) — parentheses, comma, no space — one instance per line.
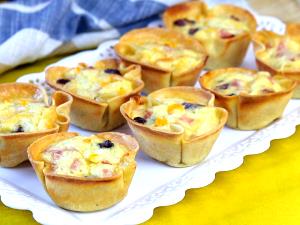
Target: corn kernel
(95,158)
(103,83)
(122,91)
(161,122)
(23,102)
(173,107)
(87,140)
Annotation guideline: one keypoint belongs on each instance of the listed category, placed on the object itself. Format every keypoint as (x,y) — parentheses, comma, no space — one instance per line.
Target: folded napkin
(34,29)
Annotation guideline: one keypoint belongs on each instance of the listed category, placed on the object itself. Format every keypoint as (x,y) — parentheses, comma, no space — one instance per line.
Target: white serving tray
(154,183)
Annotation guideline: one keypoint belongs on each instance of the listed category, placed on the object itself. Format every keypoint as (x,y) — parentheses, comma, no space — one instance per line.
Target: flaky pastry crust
(226,52)
(264,38)
(171,147)
(13,145)
(250,112)
(154,76)
(90,114)
(79,193)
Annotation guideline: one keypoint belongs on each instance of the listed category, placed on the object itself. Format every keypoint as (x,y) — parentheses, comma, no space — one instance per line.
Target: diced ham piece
(20,108)
(271,80)
(107,173)
(75,164)
(168,48)
(281,49)
(57,154)
(148,114)
(235,83)
(225,34)
(186,119)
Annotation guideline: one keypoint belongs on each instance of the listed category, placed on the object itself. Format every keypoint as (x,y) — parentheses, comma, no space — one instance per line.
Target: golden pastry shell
(231,51)
(263,38)
(171,147)
(156,77)
(90,114)
(250,112)
(13,145)
(79,193)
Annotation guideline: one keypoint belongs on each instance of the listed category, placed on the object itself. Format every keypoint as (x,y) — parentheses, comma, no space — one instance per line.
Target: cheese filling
(235,83)
(23,115)
(95,84)
(213,28)
(283,55)
(85,157)
(203,26)
(175,114)
(176,60)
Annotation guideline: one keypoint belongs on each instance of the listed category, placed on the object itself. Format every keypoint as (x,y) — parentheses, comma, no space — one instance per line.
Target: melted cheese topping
(84,157)
(234,83)
(175,114)
(176,60)
(23,115)
(283,55)
(96,84)
(208,29)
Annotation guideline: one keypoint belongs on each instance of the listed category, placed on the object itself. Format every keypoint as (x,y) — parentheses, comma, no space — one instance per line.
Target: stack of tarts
(174,125)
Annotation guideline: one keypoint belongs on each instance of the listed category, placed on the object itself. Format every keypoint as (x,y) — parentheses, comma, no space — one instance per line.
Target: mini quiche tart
(85,173)
(279,54)
(176,125)
(25,116)
(167,57)
(253,99)
(98,91)
(224,30)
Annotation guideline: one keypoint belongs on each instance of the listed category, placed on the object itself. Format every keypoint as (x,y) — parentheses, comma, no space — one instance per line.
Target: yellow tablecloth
(264,190)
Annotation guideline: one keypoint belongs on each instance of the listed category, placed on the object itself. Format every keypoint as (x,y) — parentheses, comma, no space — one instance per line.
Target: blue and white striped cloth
(34,29)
